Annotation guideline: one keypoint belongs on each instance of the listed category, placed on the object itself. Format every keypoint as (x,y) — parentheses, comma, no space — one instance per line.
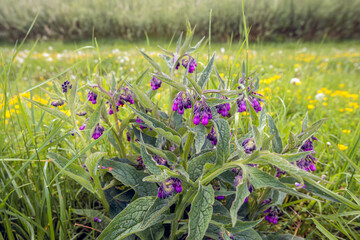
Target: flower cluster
(96,219)
(125,96)
(92,97)
(189,64)
(168,187)
(202,112)
(249,145)
(159,160)
(65,86)
(111,110)
(57,103)
(272,214)
(155,83)
(223,109)
(181,102)
(254,101)
(141,122)
(98,131)
(81,114)
(212,137)
(308,163)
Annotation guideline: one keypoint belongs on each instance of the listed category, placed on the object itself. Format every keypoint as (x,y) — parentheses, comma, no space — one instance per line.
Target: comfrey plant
(211,164)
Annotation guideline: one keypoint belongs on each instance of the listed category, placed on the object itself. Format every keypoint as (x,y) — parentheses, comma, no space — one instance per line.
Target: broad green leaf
(293,141)
(212,102)
(159,207)
(201,212)
(260,179)
(205,75)
(249,234)
(141,77)
(51,110)
(256,135)
(242,192)
(196,165)
(193,49)
(276,142)
(293,157)
(222,83)
(156,232)
(170,82)
(168,155)
(149,162)
(73,171)
(155,65)
(131,177)
(144,99)
(159,127)
(241,226)
(196,86)
(262,119)
(129,220)
(305,122)
(223,144)
(92,162)
(200,133)
(254,118)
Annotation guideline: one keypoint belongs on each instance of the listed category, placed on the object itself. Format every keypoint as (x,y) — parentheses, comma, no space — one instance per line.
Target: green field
(327,87)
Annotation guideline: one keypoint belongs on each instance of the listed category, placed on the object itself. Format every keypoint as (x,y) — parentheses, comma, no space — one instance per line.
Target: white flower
(222,50)
(45,54)
(319,96)
(295,81)
(50,48)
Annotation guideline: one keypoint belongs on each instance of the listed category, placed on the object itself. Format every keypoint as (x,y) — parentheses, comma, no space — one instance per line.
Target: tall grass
(132,19)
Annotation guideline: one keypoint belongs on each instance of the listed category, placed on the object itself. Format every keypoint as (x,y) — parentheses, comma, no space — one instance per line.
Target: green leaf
(73,171)
(129,220)
(241,226)
(276,142)
(323,230)
(196,165)
(151,61)
(170,82)
(131,177)
(212,102)
(205,75)
(92,162)
(201,212)
(262,119)
(200,133)
(242,192)
(149,162)
(256,135)
(260,179)
(249,234)
(52,111)
(219,78)
(254,118)
(144,99)
(159,207)
(159,127)
(168,155)
(293,157)
(311,130)
(156,232)
(223,144)
(305,122)
(195,85)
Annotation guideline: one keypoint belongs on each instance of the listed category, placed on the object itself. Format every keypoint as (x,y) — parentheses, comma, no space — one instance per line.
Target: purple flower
(181,102)
(96,219)
(111,111)
(212,137)
(142,123)
(140,162)
(81,114)
(65,86)
(249,145)
(272,214)
(308,145)
(308,163)
(57,103)
(92,97)
(223,109)
(279,172)
(201,112)
(128,138)
(82,127)
(220,198)
(266,201)
(189,62)
(253,99)
(241,105)
(98,131)
(160,160)
(168,187)
(125,96)
(155,83)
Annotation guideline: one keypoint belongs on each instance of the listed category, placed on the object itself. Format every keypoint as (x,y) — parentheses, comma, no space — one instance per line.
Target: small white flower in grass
(319,96)
(222,50)
(328,143)
(295,81)
(45,54)
(50,48)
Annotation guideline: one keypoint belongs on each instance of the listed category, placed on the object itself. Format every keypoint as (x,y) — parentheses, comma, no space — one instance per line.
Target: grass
(32,208)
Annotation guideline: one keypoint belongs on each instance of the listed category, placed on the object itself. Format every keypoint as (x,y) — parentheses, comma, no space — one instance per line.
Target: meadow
(321,79)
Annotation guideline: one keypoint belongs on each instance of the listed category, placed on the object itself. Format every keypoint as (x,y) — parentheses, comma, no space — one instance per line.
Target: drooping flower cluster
(254,101)
(111,110)
(128,137)
(57,103)
(65,86)
(223,109)
(155,83)
(272,214)
(81,114)
(189,63)
(92,97)
(98,131)
(249,145)
(308,163)
(181,102)
(202,112)
(212,136)
(125,96)
(168,187)
(159,160)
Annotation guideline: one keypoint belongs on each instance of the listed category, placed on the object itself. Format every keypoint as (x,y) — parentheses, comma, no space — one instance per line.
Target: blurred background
(275,20)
